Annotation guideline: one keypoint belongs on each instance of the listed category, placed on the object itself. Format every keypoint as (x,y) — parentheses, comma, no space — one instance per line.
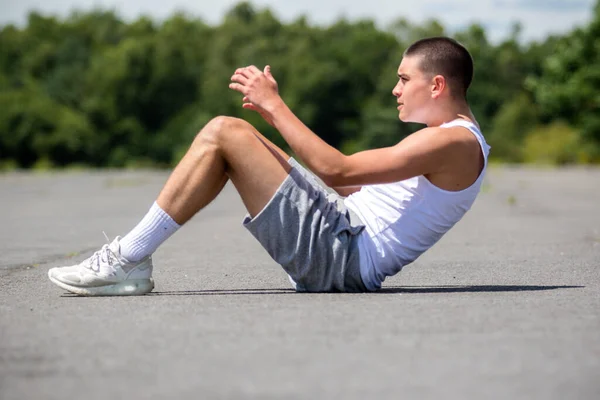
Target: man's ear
(438,85)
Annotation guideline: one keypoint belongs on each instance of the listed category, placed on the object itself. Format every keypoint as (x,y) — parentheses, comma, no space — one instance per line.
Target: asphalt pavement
(506,305)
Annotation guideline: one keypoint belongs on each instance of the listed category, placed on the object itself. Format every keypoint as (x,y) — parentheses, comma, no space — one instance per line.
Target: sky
(539,18)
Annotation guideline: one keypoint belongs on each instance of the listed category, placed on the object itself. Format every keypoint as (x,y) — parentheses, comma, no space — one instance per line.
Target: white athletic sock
(156,227)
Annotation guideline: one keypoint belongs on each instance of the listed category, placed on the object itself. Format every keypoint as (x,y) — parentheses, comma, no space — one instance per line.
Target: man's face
(413,91)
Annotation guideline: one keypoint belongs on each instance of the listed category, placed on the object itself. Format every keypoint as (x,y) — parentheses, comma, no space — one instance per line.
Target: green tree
(92,88)
(570,81)
(35,127)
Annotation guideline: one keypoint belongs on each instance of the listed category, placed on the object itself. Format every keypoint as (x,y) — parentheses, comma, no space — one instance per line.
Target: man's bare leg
(226,148)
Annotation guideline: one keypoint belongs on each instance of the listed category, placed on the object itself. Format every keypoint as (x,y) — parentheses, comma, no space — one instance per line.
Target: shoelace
(102,256)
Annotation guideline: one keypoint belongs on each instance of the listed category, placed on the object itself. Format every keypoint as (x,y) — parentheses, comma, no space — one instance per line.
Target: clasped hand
(259,89)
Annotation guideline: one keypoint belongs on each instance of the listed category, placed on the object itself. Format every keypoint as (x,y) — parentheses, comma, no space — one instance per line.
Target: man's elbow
(334,171)
(333,177)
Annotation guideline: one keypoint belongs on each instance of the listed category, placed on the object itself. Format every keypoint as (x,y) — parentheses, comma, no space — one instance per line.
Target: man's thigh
(255,166)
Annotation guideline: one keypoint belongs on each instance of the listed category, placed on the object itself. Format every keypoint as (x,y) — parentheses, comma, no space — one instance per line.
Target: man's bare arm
(424,152)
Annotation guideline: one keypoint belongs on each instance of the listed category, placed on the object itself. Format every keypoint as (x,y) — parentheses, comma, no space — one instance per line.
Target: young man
(392,204)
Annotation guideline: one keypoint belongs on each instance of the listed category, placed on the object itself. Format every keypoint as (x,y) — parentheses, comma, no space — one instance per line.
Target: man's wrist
(274,107)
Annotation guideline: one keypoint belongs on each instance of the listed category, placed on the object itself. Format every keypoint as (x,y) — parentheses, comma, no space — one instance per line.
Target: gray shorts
(308,230)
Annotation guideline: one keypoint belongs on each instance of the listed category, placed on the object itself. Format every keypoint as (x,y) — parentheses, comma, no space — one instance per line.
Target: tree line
(94,90)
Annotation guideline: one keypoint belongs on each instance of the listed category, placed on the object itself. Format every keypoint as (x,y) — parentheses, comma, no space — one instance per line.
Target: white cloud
(538,17)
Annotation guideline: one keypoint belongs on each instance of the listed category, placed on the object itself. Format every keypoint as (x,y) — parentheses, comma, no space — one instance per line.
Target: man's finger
(254,70)
(267,71)
(246,72)
(240,88)
(239,79)
(269,75)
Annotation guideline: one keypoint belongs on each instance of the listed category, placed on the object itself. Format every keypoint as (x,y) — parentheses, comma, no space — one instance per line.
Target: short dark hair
(444,56)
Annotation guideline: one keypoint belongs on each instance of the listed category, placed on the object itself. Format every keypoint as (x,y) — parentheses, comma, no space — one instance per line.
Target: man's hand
(259,89)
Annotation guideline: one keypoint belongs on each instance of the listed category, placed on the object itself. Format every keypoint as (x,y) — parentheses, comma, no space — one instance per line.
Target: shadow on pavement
(208,292)
(385,290)
(472,288)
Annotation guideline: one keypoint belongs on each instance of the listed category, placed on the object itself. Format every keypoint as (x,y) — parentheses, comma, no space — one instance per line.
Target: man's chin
(406,119)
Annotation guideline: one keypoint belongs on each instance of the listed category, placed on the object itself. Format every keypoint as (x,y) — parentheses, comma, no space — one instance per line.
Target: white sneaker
(106,273)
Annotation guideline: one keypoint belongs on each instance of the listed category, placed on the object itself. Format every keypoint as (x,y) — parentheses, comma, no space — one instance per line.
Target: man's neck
(454,111)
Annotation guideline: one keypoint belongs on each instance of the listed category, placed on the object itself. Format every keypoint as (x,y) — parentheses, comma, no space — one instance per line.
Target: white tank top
(404,219)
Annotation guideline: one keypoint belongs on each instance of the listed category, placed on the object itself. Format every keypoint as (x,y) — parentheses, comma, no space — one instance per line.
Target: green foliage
(510,127)
(555,144)
(94,90)
(568,87)
(41,128)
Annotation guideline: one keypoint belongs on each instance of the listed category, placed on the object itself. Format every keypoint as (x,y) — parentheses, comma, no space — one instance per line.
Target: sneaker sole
(130,287)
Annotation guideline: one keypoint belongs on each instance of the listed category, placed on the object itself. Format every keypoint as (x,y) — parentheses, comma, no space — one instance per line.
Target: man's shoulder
(458,134)
(437,136)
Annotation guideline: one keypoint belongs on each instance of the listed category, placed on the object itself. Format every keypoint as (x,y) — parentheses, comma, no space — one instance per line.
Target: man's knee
(217,128)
